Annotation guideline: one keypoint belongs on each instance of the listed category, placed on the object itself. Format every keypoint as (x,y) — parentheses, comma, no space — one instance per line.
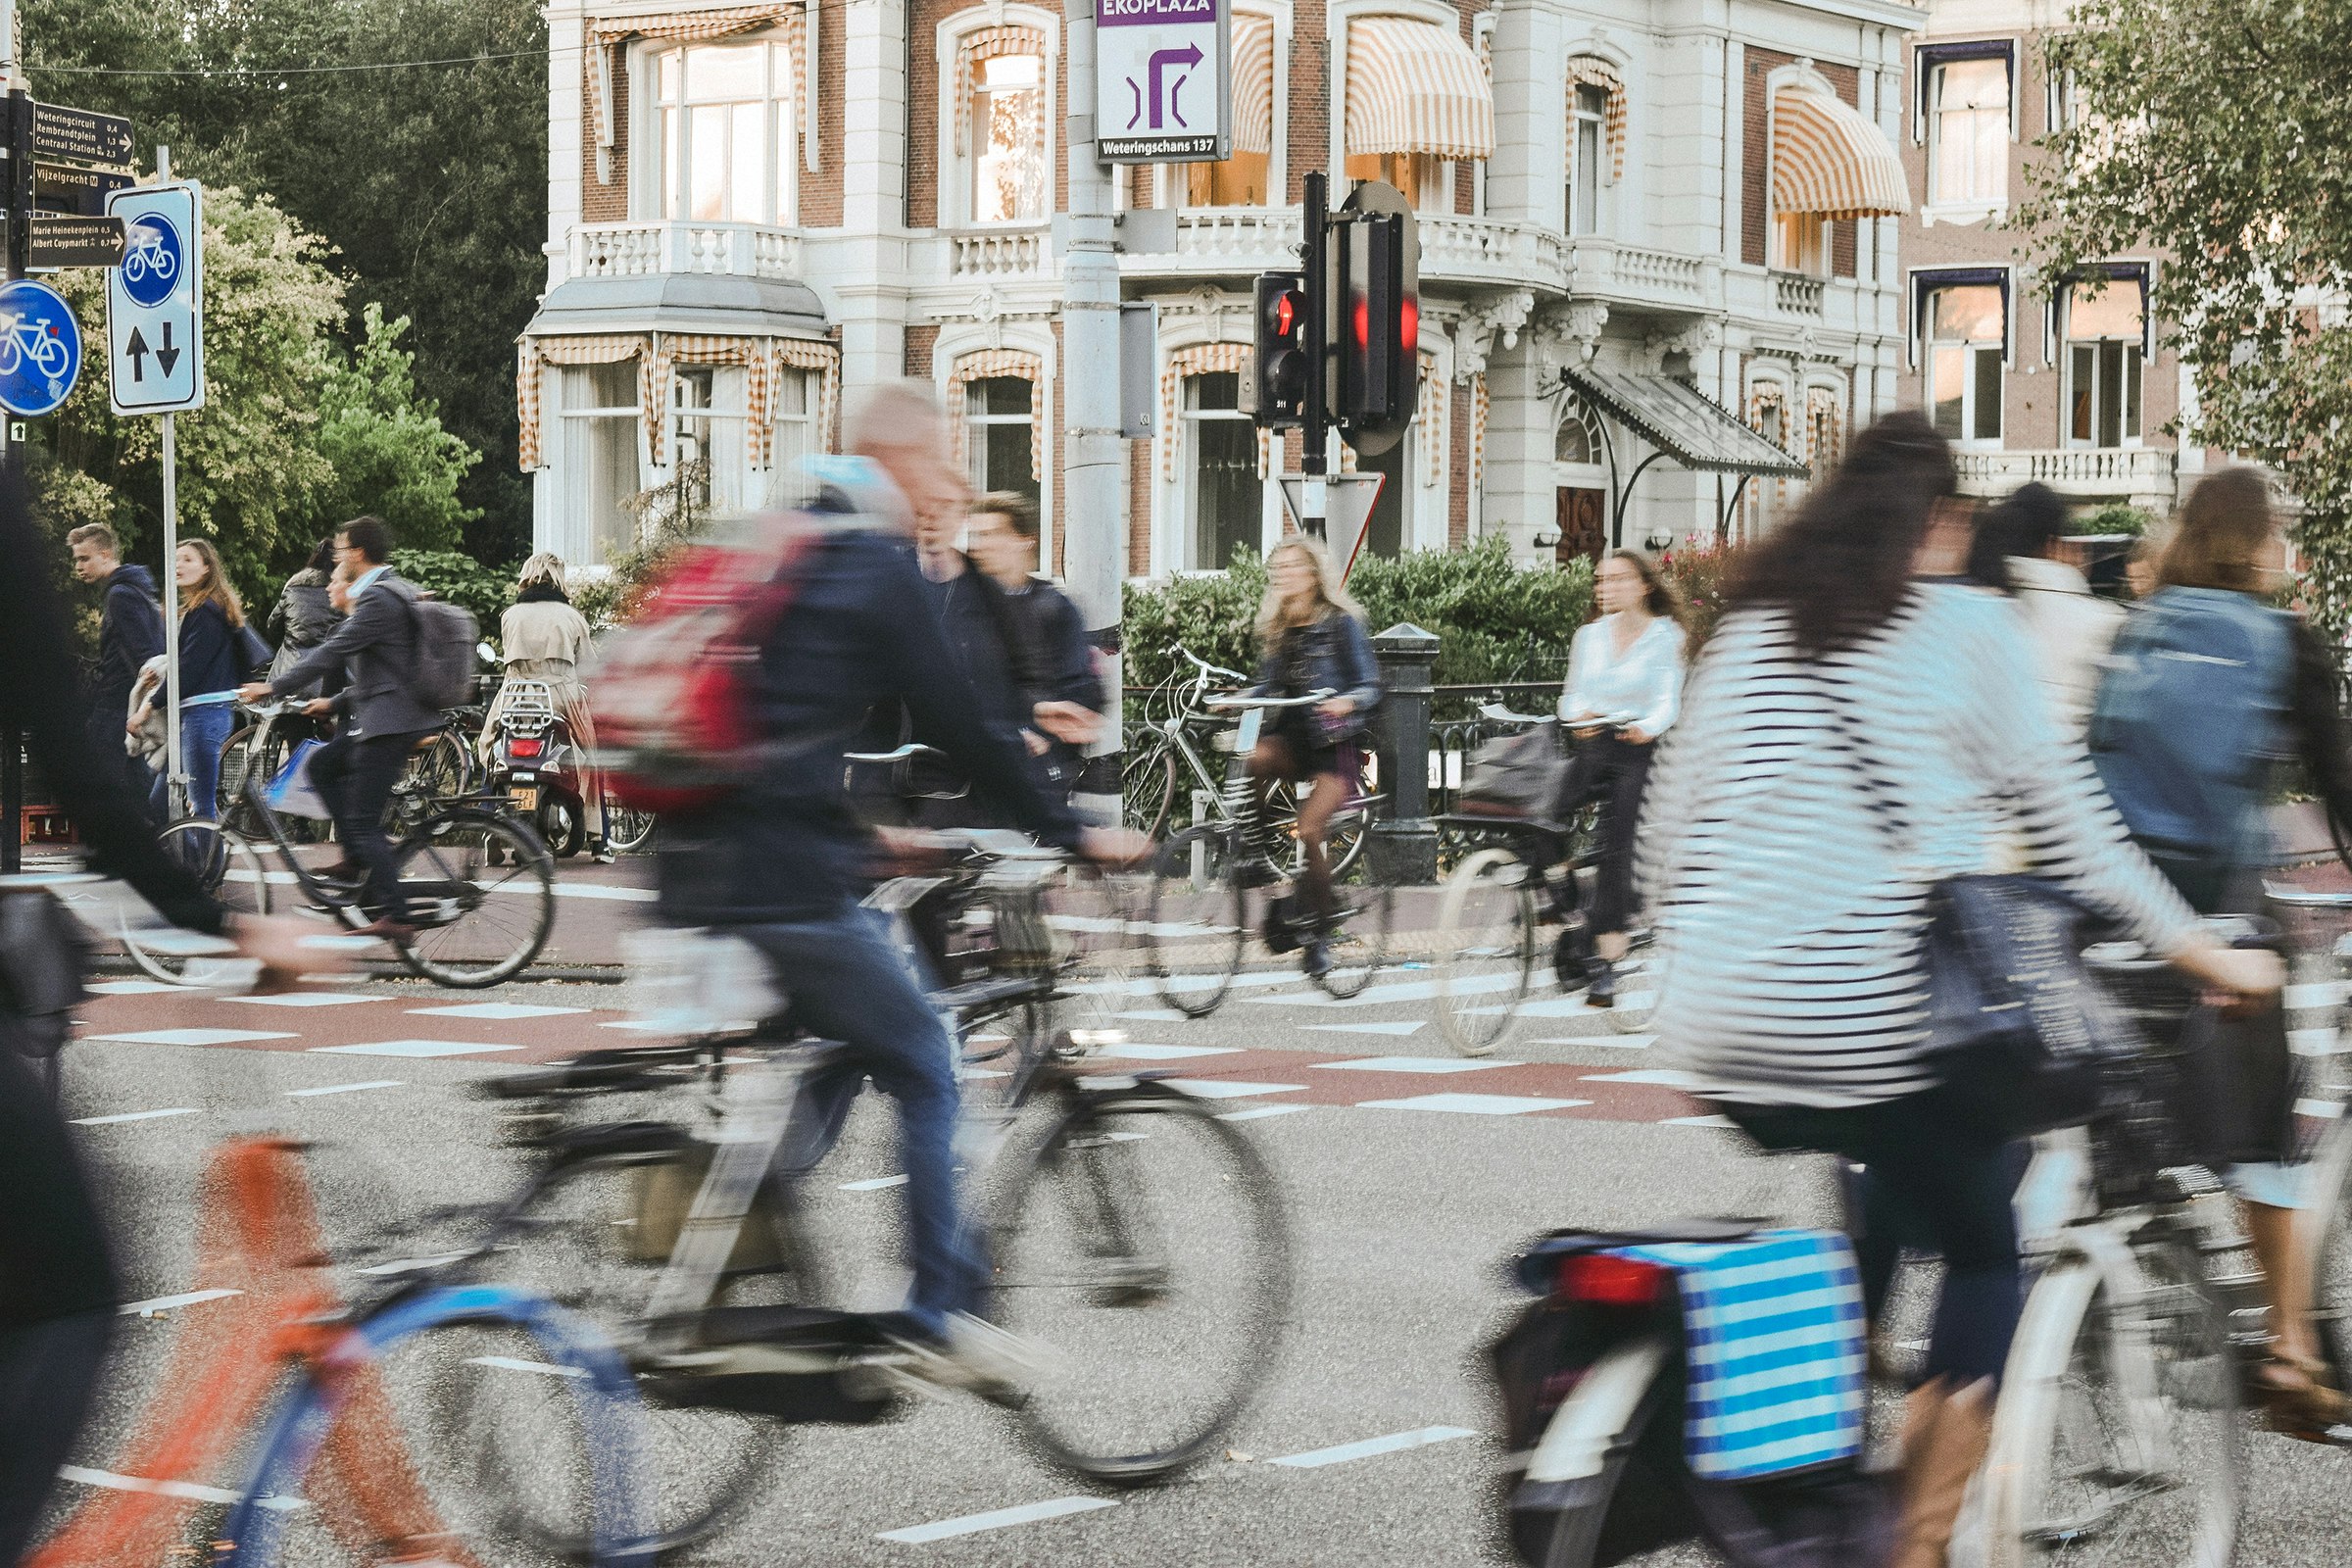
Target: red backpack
(674,692)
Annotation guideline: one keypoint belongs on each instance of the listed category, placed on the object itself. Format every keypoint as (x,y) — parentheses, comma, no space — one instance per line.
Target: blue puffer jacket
(1331,654)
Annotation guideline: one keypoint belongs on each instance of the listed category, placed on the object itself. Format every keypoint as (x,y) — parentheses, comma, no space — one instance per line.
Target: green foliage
(385,447)
(461,580)
(2115,517)
(2213,132)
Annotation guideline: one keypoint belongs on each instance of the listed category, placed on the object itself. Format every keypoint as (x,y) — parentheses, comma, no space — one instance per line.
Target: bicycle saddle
(1535,1268)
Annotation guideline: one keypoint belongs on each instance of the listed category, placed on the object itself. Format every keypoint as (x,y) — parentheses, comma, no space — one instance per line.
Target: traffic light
(1380,330)
(1281,376)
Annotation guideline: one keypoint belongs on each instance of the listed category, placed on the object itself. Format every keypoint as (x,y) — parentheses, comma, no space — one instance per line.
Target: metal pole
(1094,456)
(20,218)
(1314,505)
(175,798)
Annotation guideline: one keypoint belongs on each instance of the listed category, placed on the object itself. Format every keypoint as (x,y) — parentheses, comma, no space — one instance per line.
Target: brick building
(2033,377)
(1630,211)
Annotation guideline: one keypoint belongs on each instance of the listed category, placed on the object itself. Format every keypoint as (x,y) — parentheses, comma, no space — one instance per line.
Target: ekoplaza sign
(1162,80)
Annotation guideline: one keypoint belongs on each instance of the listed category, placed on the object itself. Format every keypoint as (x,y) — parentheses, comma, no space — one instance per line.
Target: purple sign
(1159,75)
(1150,12)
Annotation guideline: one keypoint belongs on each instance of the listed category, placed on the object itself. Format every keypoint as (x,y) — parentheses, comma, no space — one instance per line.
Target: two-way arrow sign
(136,351)
(154,302)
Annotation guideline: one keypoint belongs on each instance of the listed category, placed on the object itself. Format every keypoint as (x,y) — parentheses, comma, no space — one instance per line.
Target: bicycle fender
(1601,1416)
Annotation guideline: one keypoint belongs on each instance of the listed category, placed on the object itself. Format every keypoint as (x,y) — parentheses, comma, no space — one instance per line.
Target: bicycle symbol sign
(40,347)
(153,261)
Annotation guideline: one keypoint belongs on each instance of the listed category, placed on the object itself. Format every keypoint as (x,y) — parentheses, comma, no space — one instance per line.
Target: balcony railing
(1251,238)
(1493,249)
(631,250)
(998,253)
(2083,473)
(1797,293)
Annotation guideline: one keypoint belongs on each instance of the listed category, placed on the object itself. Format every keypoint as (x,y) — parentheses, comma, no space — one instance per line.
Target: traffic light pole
(17,109)
(1094,465)
(1314,221)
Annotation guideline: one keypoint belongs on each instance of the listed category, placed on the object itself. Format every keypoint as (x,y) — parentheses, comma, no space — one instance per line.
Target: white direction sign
(1164,89)
(154,302)
(1347,503)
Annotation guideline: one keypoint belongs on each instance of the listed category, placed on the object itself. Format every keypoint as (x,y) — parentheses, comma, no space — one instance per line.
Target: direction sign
(64,189)
(1162,80)
(80,136)
(40,347)
(154,302)
(1347,500)
(75,242)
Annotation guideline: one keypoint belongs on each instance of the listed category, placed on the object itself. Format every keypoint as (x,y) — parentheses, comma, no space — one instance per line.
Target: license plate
(524,796)
(1252,721)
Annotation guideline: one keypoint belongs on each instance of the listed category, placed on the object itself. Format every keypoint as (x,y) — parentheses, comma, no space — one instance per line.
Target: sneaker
(1601,992)
(1317,962)
(974,1355)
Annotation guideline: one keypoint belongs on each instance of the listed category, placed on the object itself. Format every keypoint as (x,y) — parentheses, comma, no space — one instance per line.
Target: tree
(385,446)
(2215,130)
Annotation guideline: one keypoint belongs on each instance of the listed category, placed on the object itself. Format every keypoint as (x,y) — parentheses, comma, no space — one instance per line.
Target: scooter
(535,762)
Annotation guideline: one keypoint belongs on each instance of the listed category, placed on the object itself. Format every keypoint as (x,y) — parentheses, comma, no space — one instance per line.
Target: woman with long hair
(1310,638)
(1855,733)
(1624,688)
(544,638)
(213,646)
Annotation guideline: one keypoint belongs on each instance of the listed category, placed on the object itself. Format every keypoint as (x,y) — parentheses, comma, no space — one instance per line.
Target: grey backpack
(446,636)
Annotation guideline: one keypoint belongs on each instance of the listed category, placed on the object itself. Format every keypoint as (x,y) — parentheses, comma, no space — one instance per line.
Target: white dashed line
(1392,1026)
(1473,1104)
(494,1010)
(1340,1453)
(406,1265)
(132,987)
(1416,1064)
(1229,1089)
(345,1088)
(165,1303)
(996,1519)
(1258,1113)
(414,1047)
(1646,1075)
(168,1489)
(873,1184)
(193,1037)
(134,1115)
(305,999)
(1702,1121)
(1135,1053)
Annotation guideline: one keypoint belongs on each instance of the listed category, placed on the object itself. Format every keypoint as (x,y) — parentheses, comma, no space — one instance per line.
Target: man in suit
(383,716)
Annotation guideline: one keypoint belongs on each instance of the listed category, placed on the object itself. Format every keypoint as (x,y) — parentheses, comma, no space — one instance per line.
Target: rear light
(522,746)
(1607,1279)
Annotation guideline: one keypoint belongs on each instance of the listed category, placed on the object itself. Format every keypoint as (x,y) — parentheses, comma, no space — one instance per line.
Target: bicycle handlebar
(1324,695)
(2291,897)
(903,754)
(1504,715)
(1206,668)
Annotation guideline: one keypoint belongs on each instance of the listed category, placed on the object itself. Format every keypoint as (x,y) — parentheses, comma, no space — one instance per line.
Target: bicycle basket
(2142,1134)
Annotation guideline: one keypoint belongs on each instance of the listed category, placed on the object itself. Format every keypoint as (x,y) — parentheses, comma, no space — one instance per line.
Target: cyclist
(783,862)
(1311,638)
(545,639)
(1624,687)
(1053,665)
(1852,735)
(2017,550)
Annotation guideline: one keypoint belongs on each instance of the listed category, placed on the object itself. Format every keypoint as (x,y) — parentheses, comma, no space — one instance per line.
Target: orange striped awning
(1415,88)
(1827,161)
(690,26)
(985,365)
(1252,83)
(534,354)
(1589,71)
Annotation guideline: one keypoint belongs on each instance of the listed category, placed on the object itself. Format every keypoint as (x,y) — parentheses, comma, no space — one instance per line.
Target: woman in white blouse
(1624,686)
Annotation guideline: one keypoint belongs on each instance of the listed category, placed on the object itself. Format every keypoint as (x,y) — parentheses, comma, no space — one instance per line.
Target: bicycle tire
(1485,951)
(628,829)
(2096,1353)
(492,886)
(2328,1236)
(228,867)
(1132,1314)
(1344,840)
(1195,918)
(1360,940)
(1148,790)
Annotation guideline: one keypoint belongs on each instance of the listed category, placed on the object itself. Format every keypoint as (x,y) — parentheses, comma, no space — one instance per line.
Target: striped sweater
(1790,909)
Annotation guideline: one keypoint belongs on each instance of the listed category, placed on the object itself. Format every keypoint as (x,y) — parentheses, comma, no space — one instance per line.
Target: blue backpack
(2191,719)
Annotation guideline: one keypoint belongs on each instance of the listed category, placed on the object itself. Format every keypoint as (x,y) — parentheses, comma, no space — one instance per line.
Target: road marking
(509,1363)
(1340,1453)
(494,1010)
(1473,1104)
(1613,1042)
(1575,1006)
(1420,1064)
(1153,1015)
(165,1304)
(1164,1053)
(1258,1111)
(406,1265)
(873,1184)
(132,988)
(414,1047)
(194,1037)
(996,1519)
(345,1088)
(1397,990)
(582,890)
(134,1115)
(305,999)
(1702,1122)
(1229,1089)
(1646,1075)
(1392,1026)
(168,1488)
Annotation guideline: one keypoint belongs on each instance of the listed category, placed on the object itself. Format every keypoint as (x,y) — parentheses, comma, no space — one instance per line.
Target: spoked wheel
(230,870)
(1144,1256)
(1486,950)
(1637,990)
(1358,944)
(482,888)
(2328,1224)
(2120,1441)
(1196,920)
(1344,839)
(628,829)
(1148,790)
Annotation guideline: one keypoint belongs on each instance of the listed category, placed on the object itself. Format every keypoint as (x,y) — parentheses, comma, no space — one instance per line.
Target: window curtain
(606,34)
(987,43)
(534,354)
(1203,358)
(1585,70)
(982,367)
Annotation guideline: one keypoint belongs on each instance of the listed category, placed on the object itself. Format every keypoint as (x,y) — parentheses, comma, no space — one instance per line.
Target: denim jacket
(1335,654)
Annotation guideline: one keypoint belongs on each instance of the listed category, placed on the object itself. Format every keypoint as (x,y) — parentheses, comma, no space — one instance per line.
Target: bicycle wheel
(229,870)
(628,829)
(1144,1254)
(437,772)
(2117,1437)
(2328,1224)
(1196,920)
(482,889)
(1148,789)
(1486,950)
(1358,943)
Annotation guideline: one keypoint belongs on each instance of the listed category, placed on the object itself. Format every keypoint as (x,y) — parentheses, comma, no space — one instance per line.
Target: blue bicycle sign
(40,347)
(153,260)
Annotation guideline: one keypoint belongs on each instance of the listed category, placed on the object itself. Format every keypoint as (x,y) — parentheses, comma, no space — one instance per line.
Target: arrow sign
(75,242)
(1146,54)
(154,302)
(64,189)
(1161,59)
(80,136)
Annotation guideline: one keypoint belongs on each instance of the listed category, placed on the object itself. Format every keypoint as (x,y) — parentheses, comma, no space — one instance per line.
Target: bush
(461,580)
(2115,517)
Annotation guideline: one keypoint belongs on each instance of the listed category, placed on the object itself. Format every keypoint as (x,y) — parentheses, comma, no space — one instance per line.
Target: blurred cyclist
(1052,663)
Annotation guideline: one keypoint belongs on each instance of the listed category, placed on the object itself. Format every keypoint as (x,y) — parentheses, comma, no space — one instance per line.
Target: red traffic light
(1286,314)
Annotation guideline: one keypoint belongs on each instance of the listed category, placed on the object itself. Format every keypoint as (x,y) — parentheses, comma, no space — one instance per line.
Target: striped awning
(1588,71)
(695,26)
(1830,162)
(1415,88)
(658,354)
(986,364)
(1252,83)
(1200,359)
(534,354)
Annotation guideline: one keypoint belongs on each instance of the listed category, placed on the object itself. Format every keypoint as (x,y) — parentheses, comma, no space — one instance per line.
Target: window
(600,456)
(709,419)
(1968,133)
(998,413)
(795,433)
(1228,496)
(1579,439)
(1589,130)
(1801,243)
(1010,180)
(1424,179)
(724,125)
(1964,335)
(2105,339)
(1238,181)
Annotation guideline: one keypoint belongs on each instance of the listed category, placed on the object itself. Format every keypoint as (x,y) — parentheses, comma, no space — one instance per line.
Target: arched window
(1579,439)
(1002,141)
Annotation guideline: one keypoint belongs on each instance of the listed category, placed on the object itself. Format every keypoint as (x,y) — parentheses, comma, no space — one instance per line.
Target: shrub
(1697,567)
(2115,517)
(461,580)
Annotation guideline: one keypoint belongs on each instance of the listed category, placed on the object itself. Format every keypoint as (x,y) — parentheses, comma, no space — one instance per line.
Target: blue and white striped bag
(1773,1348)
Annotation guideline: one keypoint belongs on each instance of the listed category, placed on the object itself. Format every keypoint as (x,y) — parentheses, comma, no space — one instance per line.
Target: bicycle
(1197,922)
(149,257)
(465,866)
(1174,750)
(39,343)
(1521,874)
(689,1239)
(441,769)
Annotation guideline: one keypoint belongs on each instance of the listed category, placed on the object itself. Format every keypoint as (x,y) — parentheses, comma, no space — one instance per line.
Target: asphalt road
(1409,1176)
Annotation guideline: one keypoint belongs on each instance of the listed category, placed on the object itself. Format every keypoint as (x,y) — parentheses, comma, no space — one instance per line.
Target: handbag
(292,793)
(253,652)
(1515,775)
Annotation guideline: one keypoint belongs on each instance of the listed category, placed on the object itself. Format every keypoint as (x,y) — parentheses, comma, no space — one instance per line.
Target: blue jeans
(204,728)
(848,981)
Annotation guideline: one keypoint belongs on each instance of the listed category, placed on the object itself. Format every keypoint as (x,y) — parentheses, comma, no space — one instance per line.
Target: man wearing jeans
(383,716)
(782,862)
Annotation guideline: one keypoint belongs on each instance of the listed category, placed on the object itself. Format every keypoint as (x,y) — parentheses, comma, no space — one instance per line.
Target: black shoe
(1317,962)
(1257,871)
(1281,935)
(1601,992)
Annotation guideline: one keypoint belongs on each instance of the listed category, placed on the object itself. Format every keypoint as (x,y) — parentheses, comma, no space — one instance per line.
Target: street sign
(154,302)
(62,136)
(1163,81)
(75,242)
(82,193)
(1348,498)
(40,347)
